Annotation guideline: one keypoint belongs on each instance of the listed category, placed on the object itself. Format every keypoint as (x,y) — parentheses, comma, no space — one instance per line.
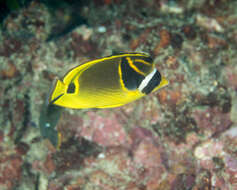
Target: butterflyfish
(108,82)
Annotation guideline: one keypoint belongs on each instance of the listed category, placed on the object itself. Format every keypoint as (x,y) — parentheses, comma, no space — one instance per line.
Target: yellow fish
(108,82)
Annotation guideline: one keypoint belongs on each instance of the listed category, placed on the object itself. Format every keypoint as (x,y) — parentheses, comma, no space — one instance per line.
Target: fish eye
(71,88)
(148,59)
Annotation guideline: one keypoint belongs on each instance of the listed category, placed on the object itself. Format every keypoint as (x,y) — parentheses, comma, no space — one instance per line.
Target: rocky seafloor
(183,137)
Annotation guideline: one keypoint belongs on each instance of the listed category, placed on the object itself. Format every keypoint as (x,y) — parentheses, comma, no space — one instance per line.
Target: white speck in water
(47,124)
(101,155)
(101,29)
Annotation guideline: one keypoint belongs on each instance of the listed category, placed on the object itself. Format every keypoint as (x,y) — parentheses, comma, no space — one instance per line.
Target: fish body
(108,82)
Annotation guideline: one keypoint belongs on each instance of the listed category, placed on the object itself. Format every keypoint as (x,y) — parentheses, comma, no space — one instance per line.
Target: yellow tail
(57,91)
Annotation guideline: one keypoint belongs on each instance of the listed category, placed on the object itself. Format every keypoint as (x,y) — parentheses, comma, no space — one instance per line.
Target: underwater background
(183,137)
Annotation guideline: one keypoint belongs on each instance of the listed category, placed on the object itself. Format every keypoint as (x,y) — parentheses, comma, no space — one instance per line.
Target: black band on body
(153,83)
(130,77)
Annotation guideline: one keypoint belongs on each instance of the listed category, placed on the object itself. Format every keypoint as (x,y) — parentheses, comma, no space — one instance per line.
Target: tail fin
(57,91)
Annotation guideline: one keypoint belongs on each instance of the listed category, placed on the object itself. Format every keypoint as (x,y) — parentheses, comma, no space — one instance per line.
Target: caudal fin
(57,91)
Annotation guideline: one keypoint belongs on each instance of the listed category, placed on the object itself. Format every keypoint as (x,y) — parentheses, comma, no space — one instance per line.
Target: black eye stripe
(130,77)
(154,82)
(148,59)
(145,68)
